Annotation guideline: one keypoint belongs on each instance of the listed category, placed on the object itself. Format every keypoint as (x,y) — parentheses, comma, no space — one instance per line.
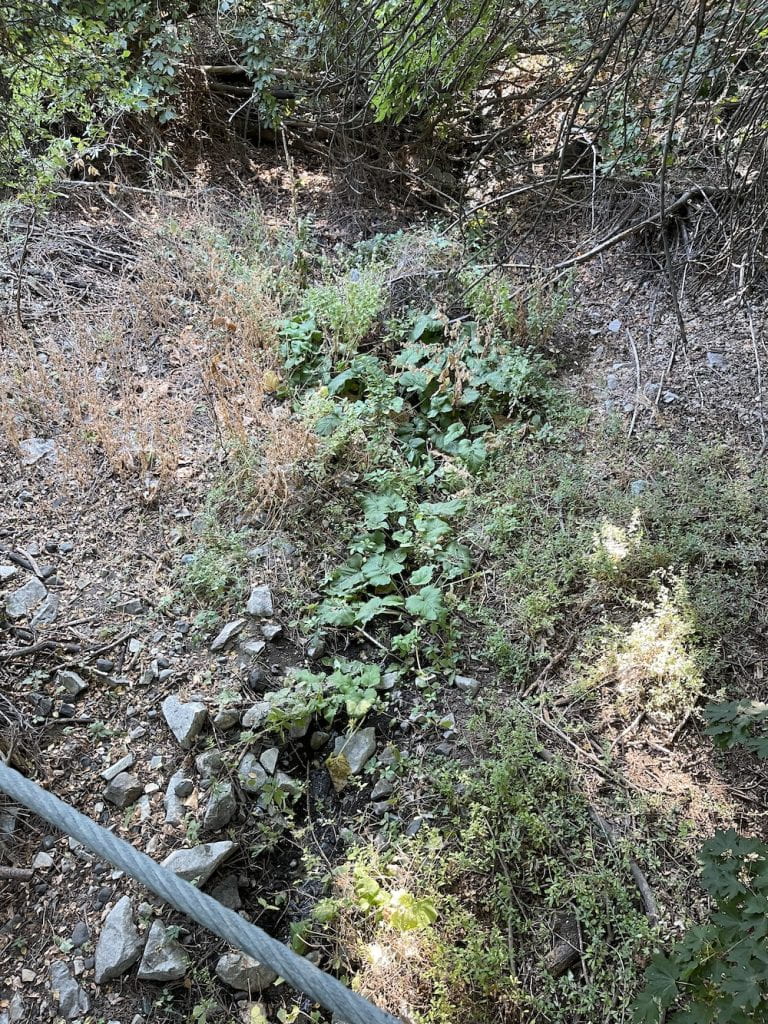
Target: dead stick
(16,874)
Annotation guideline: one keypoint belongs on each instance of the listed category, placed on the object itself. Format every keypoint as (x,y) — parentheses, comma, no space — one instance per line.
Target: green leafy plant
(351,687)
(718,973)
(739,723)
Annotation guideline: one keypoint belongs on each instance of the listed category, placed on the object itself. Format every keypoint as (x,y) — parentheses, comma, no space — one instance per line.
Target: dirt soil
(109,547)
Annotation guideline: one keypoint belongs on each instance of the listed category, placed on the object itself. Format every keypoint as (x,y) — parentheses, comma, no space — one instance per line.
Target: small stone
(260,603)
(638,487)
(73,1002)
(614,326)
(67,711)
(209,763)
(133,606)
(414,827)
(164,958)
(16,1009)
(199,863)
(71,683)
(387,682)
(382,789)
(288,785)
(23,601)
(256,715)
(243,973)
(269,759)
(27,975)
(390,755)
(227,718)
(119,945)
(47,612)
(253,648)
(80,934)
(226,634)
(300,727)
(119,766)
(467,684)
(258,680)
(123,789)
(42,861)
(221,807)
(716,361)
(174,808)
(315,647)
(183,786)
(7,572)
(35,448)
(271,632)
(227,893)
(447,723)
(66,546)
(358,748)
(252,776)
(318,739)
(185,720)
(104,664)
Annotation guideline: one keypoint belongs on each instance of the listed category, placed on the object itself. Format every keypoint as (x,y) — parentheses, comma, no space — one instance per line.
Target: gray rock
(47,612)
(358,748)
(253,648)
(221,806)
(42,861)
(16,1009)
(269,759)
(174,808)
(71,683)
(318,739)
(119,945)
(80,934)
(209,763)
(226,634)
(300,727)
(123,790)
(7,572)
(228,893)
(288,785)
(638,487)
(315,647)
(35,448)
(271,632)
(164,958)
(251,774)
(73,1002)
(199,863)
(119,766)
(260,603)
(24,600)
(243,973)
(133,606)
(183,786)
(716,361)
(227,718)
(467,684)
(388,681)
(382,789)
(185,720)
(256,715)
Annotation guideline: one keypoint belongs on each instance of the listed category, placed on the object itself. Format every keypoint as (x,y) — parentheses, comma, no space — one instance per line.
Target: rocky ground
(123,701)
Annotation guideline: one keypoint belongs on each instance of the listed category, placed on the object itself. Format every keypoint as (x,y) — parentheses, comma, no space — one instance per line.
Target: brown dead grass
(183,358)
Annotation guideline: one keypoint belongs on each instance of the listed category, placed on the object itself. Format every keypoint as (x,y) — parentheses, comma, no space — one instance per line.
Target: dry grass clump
(654,665)
(182,355)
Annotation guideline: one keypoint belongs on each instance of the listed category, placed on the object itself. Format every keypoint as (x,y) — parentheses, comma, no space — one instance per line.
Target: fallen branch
(16,874)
